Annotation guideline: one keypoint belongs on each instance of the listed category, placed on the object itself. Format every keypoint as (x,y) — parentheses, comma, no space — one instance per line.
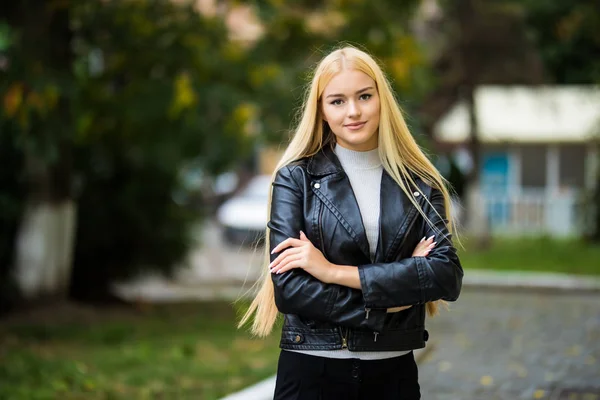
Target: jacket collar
(324,162)
(396,210)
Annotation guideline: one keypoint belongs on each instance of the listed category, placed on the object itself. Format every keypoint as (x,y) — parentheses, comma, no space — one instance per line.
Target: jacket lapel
(396,215)
(335,191)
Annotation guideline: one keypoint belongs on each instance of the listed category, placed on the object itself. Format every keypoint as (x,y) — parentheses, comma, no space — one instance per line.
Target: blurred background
(136,142)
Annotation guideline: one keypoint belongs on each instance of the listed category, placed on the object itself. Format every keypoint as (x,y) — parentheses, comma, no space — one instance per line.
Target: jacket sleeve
(417,280)
(296,291)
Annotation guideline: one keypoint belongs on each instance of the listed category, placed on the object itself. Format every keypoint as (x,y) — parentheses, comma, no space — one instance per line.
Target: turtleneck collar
(357,159)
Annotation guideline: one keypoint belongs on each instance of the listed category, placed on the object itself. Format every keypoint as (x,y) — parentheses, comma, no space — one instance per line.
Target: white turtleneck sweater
(364,171)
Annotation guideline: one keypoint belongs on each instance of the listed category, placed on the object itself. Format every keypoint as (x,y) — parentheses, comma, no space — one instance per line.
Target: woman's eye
(336,102)
(365,96)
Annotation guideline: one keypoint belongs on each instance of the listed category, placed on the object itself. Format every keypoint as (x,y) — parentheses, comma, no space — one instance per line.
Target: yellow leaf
(486,380)
(444,366)
(539,394)
(13,99)
(574,351)
(184,96)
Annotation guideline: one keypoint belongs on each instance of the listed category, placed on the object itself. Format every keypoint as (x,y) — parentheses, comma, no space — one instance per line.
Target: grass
(185,351)
(539,254)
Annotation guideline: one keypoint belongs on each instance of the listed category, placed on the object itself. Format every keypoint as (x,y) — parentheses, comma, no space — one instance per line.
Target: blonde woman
(358,240)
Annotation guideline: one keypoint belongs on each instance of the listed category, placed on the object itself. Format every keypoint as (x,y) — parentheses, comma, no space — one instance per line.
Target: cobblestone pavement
(514,345)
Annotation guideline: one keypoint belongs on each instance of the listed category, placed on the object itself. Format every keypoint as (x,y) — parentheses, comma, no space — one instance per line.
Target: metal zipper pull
(375,334)
(367,310)
(344,341)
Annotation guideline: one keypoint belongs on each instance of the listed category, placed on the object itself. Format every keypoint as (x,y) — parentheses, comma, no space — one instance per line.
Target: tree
(37,117)
(567,38)
(160,84)
(111,98)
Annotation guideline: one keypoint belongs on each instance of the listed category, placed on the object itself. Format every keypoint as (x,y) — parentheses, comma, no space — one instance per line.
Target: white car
(244,216)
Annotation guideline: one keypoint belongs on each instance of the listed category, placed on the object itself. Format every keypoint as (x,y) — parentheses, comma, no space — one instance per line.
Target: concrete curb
(527,280)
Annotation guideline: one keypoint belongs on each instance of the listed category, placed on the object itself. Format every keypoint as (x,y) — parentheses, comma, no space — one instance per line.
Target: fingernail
(422,239)
(431,237)
(434,243)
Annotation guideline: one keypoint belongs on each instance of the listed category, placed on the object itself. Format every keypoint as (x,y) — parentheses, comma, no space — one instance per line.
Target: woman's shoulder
(417,182)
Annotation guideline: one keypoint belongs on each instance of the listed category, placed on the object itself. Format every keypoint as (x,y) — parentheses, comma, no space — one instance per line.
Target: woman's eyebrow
(357,92)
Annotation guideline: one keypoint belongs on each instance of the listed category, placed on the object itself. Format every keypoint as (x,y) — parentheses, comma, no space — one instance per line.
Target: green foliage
(170,351)
(12,196)
(110,102)
(567,37)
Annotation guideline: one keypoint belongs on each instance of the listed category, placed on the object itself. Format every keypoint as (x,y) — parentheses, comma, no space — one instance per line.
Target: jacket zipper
(321,230)
(344,334)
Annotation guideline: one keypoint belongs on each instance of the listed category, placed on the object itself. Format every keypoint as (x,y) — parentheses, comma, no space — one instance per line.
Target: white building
(539,149)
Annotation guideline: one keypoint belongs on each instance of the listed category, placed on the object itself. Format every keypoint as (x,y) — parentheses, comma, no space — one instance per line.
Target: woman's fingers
(287,243)
(423,247)
(290,262)
(292,250)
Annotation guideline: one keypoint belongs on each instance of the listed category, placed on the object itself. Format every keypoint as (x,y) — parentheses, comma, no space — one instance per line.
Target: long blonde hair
(399,153)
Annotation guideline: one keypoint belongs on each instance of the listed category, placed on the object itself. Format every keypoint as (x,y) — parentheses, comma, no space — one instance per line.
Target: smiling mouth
(355,125)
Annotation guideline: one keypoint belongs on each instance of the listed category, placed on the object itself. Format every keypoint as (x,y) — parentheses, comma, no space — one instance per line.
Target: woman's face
(350,104)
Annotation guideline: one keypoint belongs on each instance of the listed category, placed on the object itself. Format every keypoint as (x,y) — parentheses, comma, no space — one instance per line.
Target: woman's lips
(355,126)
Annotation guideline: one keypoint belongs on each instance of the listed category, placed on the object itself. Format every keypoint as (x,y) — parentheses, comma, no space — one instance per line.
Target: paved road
(495,345)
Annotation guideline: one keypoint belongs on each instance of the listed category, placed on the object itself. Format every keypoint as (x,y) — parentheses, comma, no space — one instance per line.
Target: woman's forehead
(348,82)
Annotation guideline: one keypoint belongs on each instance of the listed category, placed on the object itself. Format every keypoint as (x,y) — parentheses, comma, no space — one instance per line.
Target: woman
(359,240)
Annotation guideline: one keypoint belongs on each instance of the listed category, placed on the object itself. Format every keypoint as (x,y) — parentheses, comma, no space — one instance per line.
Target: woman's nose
(353,109)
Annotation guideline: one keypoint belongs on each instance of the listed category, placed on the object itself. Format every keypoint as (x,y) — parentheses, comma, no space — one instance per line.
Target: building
(539,152)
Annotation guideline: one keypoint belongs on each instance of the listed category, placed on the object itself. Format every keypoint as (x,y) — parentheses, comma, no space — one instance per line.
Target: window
(572,165)
(533,166)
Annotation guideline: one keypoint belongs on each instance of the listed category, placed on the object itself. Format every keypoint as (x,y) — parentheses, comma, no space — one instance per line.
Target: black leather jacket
(314,195)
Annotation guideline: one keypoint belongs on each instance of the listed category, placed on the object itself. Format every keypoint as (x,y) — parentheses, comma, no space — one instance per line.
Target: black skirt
(304,377)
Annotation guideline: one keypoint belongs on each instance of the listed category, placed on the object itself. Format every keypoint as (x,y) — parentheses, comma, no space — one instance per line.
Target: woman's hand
(301,253)
(424,247)
(422,250)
